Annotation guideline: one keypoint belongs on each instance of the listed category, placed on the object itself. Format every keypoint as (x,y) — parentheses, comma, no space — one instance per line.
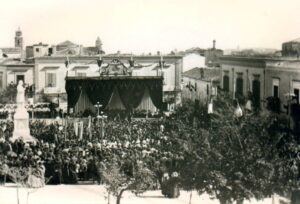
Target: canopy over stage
(115,92)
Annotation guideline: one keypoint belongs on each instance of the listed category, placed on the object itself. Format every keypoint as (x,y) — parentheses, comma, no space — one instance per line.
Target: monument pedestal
(21,125)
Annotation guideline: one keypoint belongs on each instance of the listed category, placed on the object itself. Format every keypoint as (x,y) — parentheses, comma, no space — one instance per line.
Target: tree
(236,158)
(118,180)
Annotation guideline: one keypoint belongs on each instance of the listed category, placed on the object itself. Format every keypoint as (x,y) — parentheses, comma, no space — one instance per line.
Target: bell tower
(19,39)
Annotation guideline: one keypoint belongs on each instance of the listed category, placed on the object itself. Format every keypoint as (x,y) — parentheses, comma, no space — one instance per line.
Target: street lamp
(98,106)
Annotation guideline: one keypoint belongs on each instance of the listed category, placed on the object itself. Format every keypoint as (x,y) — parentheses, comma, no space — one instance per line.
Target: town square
(140,101)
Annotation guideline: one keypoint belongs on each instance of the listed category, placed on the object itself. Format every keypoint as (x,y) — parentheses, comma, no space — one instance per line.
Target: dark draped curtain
(155,89)
(131,93)
(100,91)
(73,89)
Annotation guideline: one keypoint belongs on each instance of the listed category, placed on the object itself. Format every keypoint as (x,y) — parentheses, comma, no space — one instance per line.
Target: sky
(143,26)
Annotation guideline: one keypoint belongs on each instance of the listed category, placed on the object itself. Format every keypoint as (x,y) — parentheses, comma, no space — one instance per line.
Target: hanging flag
(210,108)
(80,131)
(248,105)
(90,127)
(238,111)
(214,91)
(76,128)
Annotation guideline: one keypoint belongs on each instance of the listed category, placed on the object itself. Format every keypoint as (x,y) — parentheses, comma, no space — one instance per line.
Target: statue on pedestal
(21,117)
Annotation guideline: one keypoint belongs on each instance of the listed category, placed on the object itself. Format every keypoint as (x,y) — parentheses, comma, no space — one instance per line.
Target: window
(50,51)
(80,74)
(296,92)
(226,82)
(239,85)
(256,91)
(50,79)
(20,78)
(37,49)
(275,87)
(296,88)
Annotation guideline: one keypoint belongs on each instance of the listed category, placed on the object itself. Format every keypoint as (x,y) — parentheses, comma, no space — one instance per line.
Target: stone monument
(21,117)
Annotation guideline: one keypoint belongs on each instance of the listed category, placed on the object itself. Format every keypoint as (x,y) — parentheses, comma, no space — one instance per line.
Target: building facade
(199,84)
(51,72)
(283,80)
(263,77)
(243,75)
(12,71)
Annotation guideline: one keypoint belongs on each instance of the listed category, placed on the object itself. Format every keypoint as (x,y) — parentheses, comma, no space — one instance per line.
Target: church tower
(99,44)
(19,39)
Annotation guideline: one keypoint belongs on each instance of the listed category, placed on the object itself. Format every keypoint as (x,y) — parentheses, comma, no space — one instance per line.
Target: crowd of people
(60,156)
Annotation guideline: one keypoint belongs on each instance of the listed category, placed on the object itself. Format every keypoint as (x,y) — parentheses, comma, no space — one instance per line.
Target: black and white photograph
(150,102)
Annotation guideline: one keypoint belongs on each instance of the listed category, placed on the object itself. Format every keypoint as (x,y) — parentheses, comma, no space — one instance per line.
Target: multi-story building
(51,72)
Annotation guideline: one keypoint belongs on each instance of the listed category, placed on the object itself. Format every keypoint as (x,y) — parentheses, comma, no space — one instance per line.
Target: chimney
(201,73)
(214,44)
